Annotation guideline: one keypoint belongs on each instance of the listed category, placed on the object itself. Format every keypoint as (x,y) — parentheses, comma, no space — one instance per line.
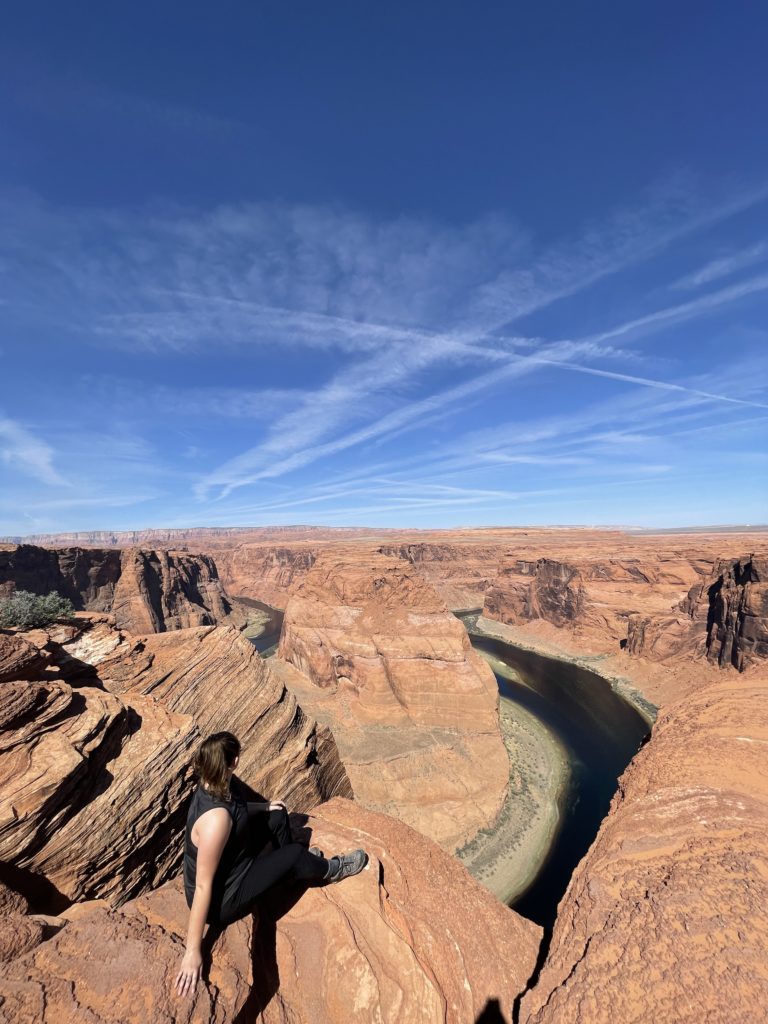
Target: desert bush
(24,610)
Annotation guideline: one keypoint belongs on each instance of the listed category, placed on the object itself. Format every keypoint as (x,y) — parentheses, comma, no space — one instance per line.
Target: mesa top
(235,858)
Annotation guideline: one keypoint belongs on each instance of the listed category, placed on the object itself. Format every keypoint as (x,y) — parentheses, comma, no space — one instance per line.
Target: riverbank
(507,857)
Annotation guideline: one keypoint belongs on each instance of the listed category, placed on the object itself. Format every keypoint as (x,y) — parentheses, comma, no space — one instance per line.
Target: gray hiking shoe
(346,865)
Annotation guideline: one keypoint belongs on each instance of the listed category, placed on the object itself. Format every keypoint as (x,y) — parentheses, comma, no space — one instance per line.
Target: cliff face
(87,577)
(667,607)
(265,572)
(460,573)
(413,708)
(378,947)
(147,591)
(664,919)
(724,618)
(95,750)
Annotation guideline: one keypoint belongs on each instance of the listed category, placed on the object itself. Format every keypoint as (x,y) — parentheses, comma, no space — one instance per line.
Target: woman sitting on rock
(224,875)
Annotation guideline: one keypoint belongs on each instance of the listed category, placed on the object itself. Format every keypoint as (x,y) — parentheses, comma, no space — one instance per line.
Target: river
(600,733)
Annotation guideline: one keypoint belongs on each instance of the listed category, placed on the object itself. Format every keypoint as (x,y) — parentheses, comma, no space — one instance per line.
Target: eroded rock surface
(95,757)
(414,710)
(413,938)
(384,946)
(724,618)
(664,919)
(664,605)
(147,591)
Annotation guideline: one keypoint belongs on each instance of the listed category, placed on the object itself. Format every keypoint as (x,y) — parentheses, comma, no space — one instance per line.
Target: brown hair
(215,757)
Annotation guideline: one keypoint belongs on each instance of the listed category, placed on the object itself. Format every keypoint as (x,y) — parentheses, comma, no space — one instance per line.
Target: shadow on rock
(491,1013)
(273,905)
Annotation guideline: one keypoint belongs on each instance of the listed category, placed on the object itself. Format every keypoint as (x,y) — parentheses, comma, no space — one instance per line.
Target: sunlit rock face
(414,710)
(723,618)
(96,747)
(664,919)
(660,603)
(265,572)
(413,939)
(147,591)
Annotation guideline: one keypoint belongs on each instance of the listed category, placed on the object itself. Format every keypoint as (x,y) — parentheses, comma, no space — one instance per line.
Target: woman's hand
(189,975)
(277,805)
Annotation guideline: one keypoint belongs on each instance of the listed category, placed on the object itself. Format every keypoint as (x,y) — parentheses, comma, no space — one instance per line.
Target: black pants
(289,862)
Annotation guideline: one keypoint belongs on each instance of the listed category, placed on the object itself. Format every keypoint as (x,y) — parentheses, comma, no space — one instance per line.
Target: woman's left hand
(189,975)
(277,805)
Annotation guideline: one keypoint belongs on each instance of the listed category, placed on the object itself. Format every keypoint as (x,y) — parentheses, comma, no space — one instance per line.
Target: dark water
(600,732)
(266,642)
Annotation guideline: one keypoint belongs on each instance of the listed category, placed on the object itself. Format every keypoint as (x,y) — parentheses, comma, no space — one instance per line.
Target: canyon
(663,918)
(376,655)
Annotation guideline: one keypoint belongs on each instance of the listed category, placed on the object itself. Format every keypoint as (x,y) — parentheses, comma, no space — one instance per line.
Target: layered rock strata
(724,618)
(460,573)
(666,609)
(399,942)
(147,591)
(414,710)
(266,572)
(95,751)
(664,919)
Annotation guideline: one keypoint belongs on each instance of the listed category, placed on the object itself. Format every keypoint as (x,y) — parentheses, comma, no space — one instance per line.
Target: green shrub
(29,611)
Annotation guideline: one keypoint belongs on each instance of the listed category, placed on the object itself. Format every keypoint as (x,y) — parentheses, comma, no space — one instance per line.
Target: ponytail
(214,759)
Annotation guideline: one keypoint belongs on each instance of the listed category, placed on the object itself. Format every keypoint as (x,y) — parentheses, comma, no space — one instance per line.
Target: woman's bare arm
(213,830)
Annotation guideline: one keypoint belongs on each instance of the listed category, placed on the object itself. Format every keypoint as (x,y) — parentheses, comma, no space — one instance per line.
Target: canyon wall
(147,591)
(664,918)
(724,618)
(97,732)
(413,708)
(663,606)
(460,573)
(265,572)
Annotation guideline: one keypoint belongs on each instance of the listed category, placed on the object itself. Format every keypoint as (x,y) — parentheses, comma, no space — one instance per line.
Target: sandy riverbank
(507,857)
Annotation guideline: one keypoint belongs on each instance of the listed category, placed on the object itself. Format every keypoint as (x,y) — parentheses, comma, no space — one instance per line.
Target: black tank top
(234,862)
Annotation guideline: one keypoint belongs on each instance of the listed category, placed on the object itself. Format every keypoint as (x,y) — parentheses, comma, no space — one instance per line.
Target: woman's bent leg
(280,827)
(291,862)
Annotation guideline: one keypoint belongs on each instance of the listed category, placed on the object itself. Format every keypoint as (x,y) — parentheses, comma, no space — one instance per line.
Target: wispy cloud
(20,450)
(403,326)
(724,266)
(686,310)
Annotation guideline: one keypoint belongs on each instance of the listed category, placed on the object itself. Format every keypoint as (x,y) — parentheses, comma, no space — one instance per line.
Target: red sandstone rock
(724,618)
(664,919)
(18,658)
(116,967)
(121,734)
(18,933)
(148,591)
(264,572)
(459,572)
(414,710)
(663,604)
(161,590)
(400,942)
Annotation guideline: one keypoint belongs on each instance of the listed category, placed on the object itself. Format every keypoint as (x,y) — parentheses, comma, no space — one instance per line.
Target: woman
(223,874)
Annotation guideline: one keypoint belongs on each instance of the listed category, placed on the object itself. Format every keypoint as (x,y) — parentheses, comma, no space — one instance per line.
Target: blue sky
(402,265)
